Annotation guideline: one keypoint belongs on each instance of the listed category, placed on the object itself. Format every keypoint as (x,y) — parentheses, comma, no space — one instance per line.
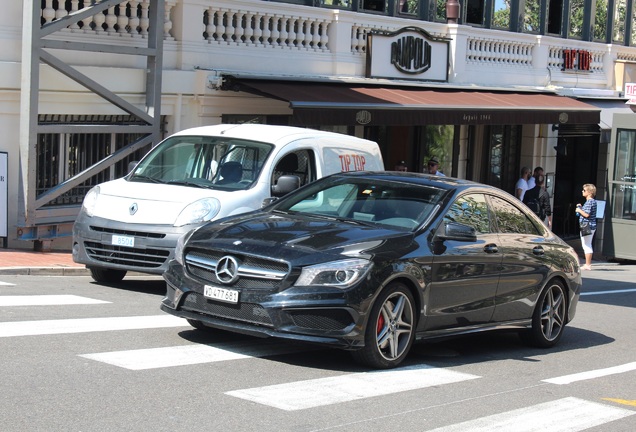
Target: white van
(198,175)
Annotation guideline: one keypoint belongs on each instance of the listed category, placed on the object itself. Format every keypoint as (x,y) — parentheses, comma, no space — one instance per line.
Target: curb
(45,271)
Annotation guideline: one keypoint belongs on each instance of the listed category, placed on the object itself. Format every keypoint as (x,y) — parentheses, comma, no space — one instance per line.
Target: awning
(608,108)
(320,103)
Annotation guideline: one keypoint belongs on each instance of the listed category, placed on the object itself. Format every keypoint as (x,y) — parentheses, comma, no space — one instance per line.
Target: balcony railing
(330,42)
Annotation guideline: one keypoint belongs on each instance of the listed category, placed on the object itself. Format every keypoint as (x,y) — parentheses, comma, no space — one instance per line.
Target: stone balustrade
(256,25)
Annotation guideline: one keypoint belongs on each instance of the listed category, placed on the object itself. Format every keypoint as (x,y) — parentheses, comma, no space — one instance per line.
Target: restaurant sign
(630,93)
(408,53)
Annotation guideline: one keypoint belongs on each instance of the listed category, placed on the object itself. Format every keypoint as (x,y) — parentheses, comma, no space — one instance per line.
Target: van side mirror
(132,165)
(458,232)
(285,184)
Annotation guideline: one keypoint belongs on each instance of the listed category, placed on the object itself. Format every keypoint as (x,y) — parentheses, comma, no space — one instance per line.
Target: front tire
(103,275)
(390,330)
(549,317)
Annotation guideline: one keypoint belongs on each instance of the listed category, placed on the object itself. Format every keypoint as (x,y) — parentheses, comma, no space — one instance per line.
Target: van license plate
(222,294)
(119,240)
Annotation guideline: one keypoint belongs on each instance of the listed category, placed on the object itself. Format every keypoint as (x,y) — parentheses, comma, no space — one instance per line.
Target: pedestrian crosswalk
(560,414)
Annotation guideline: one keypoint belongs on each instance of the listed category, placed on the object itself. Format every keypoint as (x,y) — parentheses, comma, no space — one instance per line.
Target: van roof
(268,133)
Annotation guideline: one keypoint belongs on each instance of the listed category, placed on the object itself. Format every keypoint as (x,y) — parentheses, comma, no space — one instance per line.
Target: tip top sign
(630,93)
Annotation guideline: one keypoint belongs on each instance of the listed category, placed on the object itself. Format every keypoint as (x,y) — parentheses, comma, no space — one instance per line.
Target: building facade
(485,86)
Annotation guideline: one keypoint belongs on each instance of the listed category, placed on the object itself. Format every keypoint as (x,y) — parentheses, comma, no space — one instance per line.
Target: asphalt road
(77,356)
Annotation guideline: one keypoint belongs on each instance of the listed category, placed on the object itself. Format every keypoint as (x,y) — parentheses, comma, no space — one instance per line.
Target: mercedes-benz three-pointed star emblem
(227,270)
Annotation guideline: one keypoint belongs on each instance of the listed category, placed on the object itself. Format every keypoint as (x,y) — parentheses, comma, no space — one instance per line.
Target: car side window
(511,220)
(299,163)
(471,210)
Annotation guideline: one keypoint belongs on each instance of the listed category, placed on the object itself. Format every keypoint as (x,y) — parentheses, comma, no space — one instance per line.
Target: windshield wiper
(145,178)
(187,183)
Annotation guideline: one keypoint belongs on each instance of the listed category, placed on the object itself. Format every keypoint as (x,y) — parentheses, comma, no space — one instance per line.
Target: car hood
(301,239)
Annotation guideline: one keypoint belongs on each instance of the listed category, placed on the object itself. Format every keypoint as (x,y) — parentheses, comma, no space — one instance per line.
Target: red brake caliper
(380,324)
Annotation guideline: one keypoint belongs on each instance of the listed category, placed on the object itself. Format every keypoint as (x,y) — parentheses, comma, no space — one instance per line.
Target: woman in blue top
(587,212)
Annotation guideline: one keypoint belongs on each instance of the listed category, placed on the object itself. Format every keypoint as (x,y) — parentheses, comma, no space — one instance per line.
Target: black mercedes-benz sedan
(371,262)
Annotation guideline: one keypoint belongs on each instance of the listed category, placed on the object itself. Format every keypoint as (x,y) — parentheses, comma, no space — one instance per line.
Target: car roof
(420,179)
(269,133)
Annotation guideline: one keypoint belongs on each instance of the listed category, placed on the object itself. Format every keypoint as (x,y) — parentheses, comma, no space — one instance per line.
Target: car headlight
(199,211)
(90,200)
(181,241)
(338,274)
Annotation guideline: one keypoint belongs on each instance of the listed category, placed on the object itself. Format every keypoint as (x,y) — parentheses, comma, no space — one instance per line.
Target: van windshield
(200,161)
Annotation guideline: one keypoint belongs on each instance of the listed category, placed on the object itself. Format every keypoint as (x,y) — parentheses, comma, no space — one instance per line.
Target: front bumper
(309,314)
(152,251)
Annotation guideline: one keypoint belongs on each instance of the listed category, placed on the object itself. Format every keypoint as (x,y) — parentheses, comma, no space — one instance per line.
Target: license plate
(221,294)
(119,240)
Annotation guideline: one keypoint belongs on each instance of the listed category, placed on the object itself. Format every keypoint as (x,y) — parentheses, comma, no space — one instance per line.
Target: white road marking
(568,379)
(47,300)
(327,391)
(563,415)
(85,325)
(608,292)
(154,358)
(6,284)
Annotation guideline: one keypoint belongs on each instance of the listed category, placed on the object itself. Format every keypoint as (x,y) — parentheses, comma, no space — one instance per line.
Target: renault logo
(227,270)
(133,209)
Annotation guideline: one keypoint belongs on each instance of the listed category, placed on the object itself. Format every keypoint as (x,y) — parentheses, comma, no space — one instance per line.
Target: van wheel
(103,275)
(549,317)
(390,330)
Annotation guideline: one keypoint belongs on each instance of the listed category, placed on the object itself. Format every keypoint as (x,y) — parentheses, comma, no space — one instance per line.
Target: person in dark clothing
(538,200)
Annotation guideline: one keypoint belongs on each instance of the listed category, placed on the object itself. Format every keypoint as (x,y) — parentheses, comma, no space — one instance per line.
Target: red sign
(576,60)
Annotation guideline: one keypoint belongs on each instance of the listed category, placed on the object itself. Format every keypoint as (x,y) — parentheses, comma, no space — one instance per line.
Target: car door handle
(491,248)
(538,250)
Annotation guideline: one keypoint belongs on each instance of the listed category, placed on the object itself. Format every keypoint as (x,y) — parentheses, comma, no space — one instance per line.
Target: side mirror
(285,185)
(132,165)
(458,232)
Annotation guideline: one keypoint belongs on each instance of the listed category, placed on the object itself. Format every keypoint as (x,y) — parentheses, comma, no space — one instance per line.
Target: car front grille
(254,272)
(140,234)
(245,312)
(133,257)
(325,319)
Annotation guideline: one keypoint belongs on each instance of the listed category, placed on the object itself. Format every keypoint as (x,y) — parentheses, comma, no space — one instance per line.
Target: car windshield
(393,203)
(201,161)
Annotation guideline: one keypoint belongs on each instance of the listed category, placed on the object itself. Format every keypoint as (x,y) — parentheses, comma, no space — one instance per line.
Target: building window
(618,32)
(344,4)
(600,22)
(373,5)
(500,15)
(532,17)
(555,16)
(475,12)
(502,146)
(577,10)
(408,7)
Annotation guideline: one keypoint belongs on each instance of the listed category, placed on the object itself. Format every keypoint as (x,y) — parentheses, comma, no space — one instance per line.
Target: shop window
(502,157)
(618,32)
(624,185)
(555,16)
(435,141)
(373,5)
(344,4)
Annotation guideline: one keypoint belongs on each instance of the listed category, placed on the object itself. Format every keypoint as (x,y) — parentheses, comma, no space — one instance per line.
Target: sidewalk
(25,262)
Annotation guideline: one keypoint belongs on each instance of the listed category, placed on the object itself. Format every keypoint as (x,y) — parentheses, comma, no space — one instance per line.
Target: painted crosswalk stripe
(154,358)
(86,325)
(568,379)
(327,391)
(47,300)
(564,415)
